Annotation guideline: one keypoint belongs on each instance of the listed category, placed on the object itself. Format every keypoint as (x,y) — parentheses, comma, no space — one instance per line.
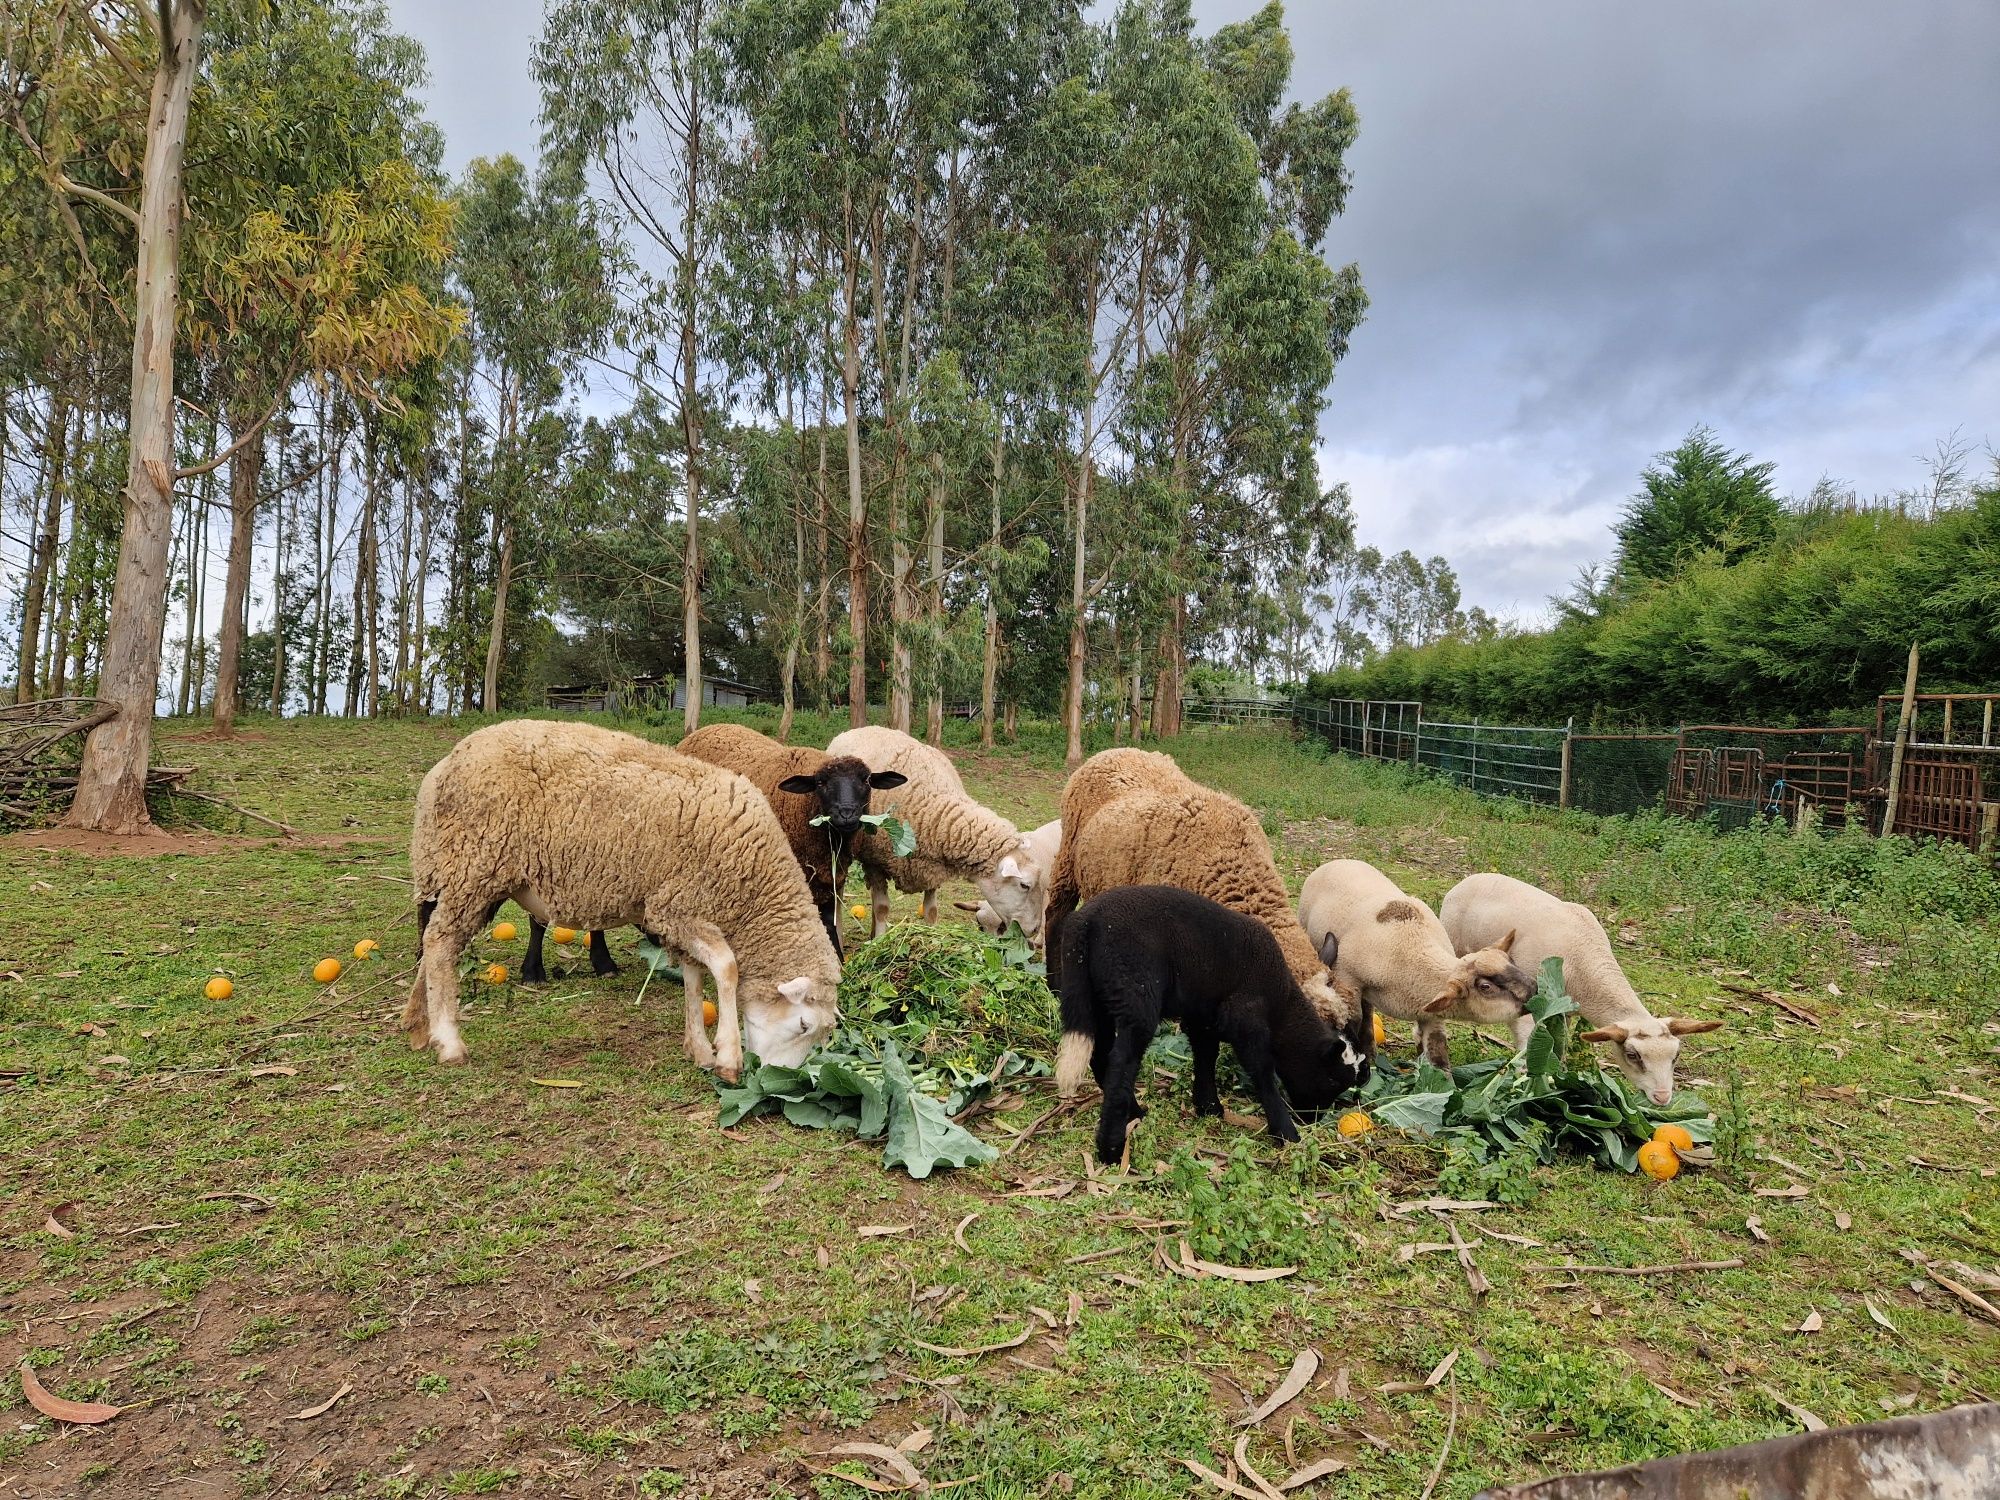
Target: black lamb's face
(842,787)
(1344,1065)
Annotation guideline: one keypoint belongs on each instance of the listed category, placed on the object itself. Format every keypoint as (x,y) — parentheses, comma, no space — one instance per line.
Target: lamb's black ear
(883,780)
(1329,949)
(804,786)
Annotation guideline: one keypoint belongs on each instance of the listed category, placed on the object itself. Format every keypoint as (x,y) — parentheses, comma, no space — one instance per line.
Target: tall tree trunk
(111,783)
(691,179)
(1080,510)
(857,502)
(490,695)
(420,685)
(278,593)
(1167,684)
(42,558)
(990,673)
(364,571)
(244,471)
(401,693)
(75,573)
(823,599)
(190,602)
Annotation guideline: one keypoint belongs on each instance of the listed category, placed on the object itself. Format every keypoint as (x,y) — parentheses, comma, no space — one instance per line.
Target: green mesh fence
(1619,773)
(1501,760)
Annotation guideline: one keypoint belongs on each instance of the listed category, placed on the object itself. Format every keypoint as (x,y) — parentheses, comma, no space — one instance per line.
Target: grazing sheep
(575,825)
(1140,954)
(801,784)
(1042,844)
(1130,817)
(1396,952)
(957,839)
(1481,906)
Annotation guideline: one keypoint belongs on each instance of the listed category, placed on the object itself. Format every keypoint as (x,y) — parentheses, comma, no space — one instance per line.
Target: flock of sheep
(1157,898)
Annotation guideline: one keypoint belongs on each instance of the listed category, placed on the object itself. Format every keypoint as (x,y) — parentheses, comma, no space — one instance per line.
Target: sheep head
(840,789)
(1647,1050)
(785,1021)
(1344,1061)
(1014,890)
(1486,985)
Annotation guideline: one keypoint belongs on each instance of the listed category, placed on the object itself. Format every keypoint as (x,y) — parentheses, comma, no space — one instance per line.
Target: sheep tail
(1079,1020)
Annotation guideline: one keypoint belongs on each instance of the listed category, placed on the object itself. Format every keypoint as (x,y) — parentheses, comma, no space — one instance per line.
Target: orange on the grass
(1381,1032)
(504,932)
(495,974)
(218,988)
(1675,1136)
(708,1012)
(327,970)
(1658,1161)
(366,948)
(858,912)
(1355,1123)
(563,934)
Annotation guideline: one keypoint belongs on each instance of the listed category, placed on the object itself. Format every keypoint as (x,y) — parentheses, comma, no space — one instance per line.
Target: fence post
(1475,752)
(1562,790)
(1367,719)
(1902,744)
(1417,742)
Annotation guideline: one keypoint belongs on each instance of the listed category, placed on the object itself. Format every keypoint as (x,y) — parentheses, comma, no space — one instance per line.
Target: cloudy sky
(1587,226)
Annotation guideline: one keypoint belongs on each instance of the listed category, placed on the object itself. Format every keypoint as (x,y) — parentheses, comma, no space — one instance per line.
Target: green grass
(593,1290)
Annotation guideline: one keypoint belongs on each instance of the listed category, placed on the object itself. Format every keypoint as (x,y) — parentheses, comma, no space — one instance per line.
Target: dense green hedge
(1807,631)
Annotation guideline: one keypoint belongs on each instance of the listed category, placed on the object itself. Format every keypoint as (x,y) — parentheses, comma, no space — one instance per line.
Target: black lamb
(1141,954)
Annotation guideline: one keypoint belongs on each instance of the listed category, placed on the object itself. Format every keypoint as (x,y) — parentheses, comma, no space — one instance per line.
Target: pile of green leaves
(1552,1098)
(934,1017)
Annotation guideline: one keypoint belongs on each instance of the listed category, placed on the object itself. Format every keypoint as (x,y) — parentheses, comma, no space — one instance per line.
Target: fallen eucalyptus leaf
(1304,1366)
(82,1413)
(323,1408)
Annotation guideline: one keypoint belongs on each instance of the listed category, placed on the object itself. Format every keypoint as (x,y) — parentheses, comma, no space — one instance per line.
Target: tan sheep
(957,839)
(1131,817)
(592,828)
(1396,953)
(1041,846)
(1645,1045)
(801,784)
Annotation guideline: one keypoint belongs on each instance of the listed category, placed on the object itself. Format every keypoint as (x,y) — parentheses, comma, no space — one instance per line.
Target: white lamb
(1395,951)
(596,829)
(1042,844)
(1646,1045)
(957,839)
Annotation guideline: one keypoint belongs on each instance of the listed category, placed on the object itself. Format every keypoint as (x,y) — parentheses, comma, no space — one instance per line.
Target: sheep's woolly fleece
(601,829)
(1156,828)
(764,762)
(957,838)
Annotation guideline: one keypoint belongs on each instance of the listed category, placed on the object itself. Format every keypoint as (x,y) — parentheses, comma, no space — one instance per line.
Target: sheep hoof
(419,1037)
(452,1057)
(728,1074)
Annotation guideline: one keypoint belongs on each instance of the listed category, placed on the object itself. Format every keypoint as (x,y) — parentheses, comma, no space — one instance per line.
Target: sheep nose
(1662,1096)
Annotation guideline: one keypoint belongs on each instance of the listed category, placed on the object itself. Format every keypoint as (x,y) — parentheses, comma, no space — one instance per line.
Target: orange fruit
(1657,1160)
(366,948)
(1381,1033)
(858,912)
(708,1012)
(218,988)
(1675,1136)
(503,932)
(1355,1123)
(495,974)
(563,934)
(327,970)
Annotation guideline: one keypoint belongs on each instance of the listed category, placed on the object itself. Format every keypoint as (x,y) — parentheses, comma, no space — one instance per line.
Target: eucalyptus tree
(632,88)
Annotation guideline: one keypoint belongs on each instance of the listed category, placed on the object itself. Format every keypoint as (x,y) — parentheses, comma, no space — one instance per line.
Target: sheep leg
(1257,1059)
(927,908)
(1431,1040)
(431,1013)
(694,1035)
(1205,1044)
(707,946)
(424,910)
(600,955)
(532,971)
(1121,1089)
(878,903)
(1062,899)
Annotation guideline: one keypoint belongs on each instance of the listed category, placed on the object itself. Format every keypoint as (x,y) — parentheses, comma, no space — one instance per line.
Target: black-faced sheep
(574,825)
(801,784)
(1394,950)
(1141,954)
(957,839)
(1480,907)
(1130,817)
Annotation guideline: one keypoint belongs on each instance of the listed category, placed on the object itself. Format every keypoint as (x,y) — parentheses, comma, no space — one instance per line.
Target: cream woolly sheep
(1396,953)
(597,829)
(1130,817)
(957,839)
(801,784)
(1042,843)
(1480,906)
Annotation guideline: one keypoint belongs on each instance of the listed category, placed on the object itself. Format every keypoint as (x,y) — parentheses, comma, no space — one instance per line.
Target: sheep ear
(798,991)
(1606,1034)
(1506,944)
(1680,1026)
(804,786)
(1453,993)
(1329,949)
(1010,868)
(966,905)
(882,781)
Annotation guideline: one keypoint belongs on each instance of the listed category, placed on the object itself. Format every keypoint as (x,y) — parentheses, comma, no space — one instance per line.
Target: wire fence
(1732,774)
